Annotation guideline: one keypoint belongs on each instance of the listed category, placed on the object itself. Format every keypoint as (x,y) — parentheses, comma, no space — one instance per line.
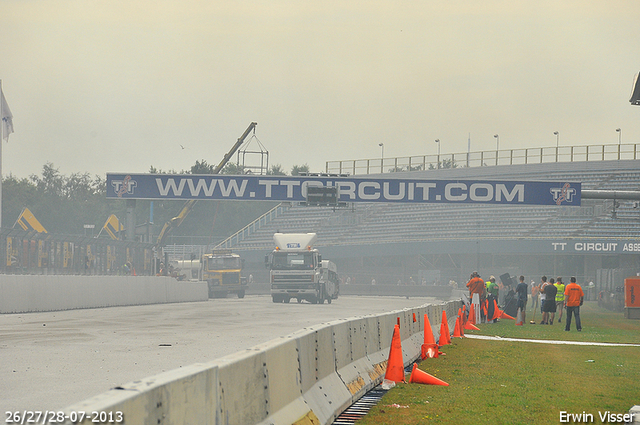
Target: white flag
(7,118)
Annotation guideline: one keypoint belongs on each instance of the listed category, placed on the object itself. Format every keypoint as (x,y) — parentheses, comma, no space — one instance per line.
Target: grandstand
(376,223)
(382,241)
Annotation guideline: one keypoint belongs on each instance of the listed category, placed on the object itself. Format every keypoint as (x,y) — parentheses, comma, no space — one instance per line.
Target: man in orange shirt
(476,286)
(573,298)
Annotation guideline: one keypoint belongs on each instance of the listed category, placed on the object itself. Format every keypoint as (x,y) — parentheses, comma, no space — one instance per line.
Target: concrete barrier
(26,293)
(308,377)
(324,391)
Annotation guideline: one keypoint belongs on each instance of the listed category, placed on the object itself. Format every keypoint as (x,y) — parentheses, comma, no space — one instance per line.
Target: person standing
(574,297)
(476,286)
(523,292)
(549,308)
(492,298)
(543,297)
(559,298)
(535,295)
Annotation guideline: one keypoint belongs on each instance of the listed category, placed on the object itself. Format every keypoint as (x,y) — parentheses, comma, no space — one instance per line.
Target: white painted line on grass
(549,341)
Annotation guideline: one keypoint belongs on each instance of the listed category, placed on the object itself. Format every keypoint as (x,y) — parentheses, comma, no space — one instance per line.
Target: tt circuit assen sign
(349,189)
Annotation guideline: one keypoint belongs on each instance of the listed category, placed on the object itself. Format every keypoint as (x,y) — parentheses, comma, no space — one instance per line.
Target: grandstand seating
(374,223)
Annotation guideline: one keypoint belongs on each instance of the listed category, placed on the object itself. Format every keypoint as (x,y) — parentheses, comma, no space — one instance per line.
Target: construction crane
(188,206)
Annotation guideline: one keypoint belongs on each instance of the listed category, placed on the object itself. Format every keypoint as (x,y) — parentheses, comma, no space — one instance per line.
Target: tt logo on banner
(564,193)
(124,186)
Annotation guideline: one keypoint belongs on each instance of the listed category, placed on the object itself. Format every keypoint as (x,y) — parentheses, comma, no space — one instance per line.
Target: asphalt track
(52,360)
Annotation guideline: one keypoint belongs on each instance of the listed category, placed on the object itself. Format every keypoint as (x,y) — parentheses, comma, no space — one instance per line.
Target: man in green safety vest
(559,298)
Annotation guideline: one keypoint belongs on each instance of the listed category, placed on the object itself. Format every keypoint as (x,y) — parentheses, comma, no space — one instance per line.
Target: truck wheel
(328,300)
(299,300)
(241,294)
(275,298)
(286,300)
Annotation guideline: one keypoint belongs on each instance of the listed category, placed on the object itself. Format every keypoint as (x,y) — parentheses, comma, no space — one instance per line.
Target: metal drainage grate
(361,407)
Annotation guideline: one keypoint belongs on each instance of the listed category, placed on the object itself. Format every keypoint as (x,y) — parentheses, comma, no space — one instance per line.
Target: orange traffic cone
(429,351)
(398,321)
(472,315)
(470,326)
(520,321)
(504,315)
(395,364)
(420,377)
(429,348)
(445,323)
(499,314)
(428,332)
(444,336)
(496,311)
(457,333)
(461,320)
(414,318)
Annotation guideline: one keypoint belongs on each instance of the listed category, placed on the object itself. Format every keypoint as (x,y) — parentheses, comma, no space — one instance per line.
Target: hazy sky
(98,86)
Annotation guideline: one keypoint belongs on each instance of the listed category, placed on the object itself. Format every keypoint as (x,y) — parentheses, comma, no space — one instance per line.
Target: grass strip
(500,382)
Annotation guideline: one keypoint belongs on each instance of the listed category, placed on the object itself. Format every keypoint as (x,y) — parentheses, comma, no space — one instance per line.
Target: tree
(276,170)
(299,169)
(202,168)
(63,204)
(17,195)
(232,168)
(445,163)
(154,170)
(51,182)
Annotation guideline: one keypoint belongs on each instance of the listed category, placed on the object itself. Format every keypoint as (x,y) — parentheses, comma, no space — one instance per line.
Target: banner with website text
(349,189)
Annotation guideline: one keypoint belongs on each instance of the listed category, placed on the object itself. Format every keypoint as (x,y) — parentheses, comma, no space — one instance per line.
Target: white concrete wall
(26,293)
(310,376)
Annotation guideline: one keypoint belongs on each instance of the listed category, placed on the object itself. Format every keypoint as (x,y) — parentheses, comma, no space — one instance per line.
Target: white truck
(298,271)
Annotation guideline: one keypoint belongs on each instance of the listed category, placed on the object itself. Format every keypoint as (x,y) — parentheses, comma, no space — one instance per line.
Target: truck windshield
(223,263)
(292,260)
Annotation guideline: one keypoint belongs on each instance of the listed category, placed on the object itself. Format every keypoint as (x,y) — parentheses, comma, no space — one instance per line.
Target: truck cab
(298,271)
(222,270)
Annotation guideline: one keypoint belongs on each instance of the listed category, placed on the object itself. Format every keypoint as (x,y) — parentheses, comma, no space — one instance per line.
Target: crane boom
(235,147)
(188,206)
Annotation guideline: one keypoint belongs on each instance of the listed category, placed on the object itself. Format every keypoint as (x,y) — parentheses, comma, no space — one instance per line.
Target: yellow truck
(222,269)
